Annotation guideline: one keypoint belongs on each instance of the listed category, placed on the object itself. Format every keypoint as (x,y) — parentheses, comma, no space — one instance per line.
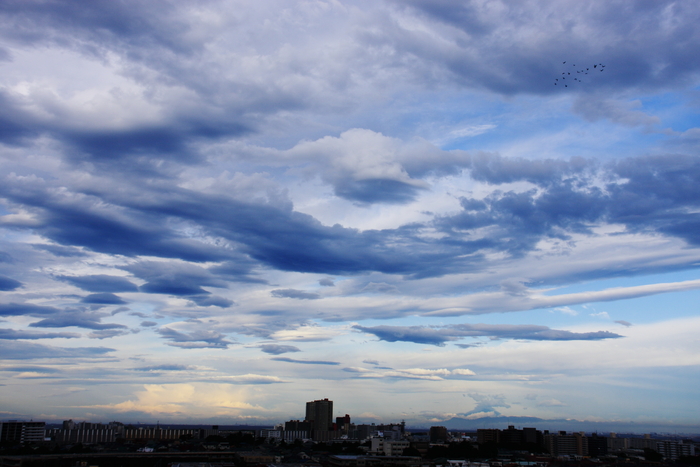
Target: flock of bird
(580,71)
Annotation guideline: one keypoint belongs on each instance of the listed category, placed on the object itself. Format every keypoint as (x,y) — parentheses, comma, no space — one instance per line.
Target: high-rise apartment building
(22,432)
(320,412)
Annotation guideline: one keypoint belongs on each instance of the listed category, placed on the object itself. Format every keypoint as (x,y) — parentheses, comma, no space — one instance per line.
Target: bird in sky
(598,67)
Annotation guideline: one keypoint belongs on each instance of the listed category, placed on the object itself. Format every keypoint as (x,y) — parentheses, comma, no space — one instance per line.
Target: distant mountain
(503,422)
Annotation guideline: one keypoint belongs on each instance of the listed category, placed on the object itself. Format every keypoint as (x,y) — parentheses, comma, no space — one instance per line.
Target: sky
(216,211)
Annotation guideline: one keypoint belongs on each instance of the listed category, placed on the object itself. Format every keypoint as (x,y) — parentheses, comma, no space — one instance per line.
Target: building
(22,432)
(597,445)
(342,424)
(388,447)
(320,413)
(675,449)
(438,434)
(488,435)
(563,444)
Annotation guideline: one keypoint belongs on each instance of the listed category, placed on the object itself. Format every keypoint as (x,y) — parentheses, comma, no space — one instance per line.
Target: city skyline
(210,212)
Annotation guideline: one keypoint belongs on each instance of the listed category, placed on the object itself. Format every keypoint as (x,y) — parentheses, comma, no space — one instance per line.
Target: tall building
(320,412)
(438,434)
(486,435)
(597,445)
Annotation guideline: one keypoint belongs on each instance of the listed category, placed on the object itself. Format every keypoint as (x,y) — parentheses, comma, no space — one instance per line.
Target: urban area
(320,439)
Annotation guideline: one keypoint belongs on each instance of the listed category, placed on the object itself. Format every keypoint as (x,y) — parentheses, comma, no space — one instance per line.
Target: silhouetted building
(22,432)
(438,434)
(562,444)
(343,424)
(320,414)
(674,449)
(296,425)
(487,435)
(597,445)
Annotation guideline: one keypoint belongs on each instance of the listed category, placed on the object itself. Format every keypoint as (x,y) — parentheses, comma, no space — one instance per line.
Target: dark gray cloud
(107,333)
(654,194)
(439,335)
(20,309)
(198,339)
(100,283)
(148,324)
(305,362)
(326,282)
(18,350)
(638,50)
(211,300)
(277,349)
(495,169)
(7,284)
(377,191)
(172,287)
(624,323)
(103,299)
(77,318)
(293,293)
(179,280)
(123,29)
(13,334)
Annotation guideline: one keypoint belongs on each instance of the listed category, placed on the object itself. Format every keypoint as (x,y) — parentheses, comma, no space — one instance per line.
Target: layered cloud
(442,334)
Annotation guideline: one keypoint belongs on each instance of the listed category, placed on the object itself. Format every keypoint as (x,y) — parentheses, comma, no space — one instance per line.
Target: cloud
(164,367)
(77,318)
(567,311)
(487,403)
(623,113)
(66,252)
(32,369)
(293,293)
(379,287)
(408,373)
(362,166)
(306,333)
(251,378)
(100,283)
(439,335)
(12,334)
(107,333)
(211,300)
(276,349)
(103,298)
(552,403)
(28,351)
(19,309)
(7,284)
(207,153)
(624,323)
(198,339)
(305,362)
